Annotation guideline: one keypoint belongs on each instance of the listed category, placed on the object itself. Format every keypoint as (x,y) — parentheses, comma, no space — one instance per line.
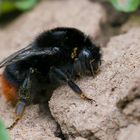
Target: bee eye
(56,49)
(85,53)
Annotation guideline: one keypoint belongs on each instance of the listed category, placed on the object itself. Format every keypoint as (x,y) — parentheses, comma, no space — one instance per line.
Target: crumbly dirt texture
(103,120)
(115,114)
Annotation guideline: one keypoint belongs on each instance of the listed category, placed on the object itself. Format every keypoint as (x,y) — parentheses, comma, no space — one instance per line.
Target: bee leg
(24,99)
(91,67)
(77,68)
(77,90)
(62,76)
(94,67)
(20,107)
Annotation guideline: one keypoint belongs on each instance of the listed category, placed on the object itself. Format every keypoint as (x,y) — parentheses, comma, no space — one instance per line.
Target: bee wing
(27,52)
(19,55)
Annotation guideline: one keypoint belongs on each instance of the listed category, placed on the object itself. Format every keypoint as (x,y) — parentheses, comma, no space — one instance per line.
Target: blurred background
(22,20)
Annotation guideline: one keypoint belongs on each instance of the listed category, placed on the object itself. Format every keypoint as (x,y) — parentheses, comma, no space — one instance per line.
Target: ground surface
(116,89)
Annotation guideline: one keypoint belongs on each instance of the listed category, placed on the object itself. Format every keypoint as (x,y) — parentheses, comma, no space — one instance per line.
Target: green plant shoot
(126,5)
(3,133)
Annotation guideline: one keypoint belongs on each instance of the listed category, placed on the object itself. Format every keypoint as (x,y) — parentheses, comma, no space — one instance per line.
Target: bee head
(89,60)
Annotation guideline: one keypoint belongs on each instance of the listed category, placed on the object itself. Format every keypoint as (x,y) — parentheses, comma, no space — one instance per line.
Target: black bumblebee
(56,56)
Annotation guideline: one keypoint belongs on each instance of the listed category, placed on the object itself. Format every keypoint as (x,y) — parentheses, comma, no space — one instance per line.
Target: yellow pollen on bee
(74,53)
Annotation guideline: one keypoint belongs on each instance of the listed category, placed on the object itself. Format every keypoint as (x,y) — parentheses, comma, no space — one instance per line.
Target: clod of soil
(101,120)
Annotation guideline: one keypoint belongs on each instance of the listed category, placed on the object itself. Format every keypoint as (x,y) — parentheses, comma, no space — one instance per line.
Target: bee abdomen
(8,90)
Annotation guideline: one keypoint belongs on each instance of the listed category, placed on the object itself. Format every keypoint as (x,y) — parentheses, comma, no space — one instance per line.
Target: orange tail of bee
(9,91)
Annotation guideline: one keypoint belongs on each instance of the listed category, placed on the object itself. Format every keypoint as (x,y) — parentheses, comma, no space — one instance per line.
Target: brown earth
(116,89)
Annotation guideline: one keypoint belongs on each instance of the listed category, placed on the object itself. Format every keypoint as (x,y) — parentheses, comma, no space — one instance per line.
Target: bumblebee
(57,56)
